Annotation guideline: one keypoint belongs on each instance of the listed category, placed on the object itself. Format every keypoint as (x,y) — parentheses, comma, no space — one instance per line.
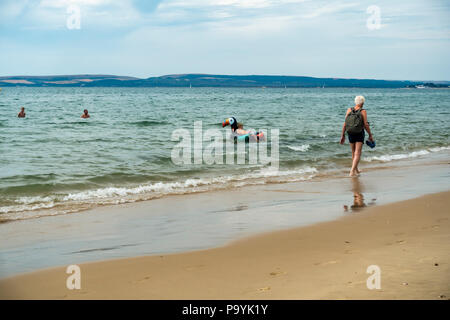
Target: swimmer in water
(21,113)
(85,114)
(237,130)
(240,129)
(236,127)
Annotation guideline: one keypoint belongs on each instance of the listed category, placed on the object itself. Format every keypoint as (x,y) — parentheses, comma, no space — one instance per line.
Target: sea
(53,162)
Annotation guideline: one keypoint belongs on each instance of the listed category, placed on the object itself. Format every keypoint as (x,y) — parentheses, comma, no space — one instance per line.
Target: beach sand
(408,240)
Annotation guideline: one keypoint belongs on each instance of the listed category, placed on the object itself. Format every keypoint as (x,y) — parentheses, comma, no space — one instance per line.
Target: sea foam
(302,148)
(115,195)
(400,156)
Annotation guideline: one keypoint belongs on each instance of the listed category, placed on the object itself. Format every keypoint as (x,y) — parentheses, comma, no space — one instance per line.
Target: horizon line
(215,74)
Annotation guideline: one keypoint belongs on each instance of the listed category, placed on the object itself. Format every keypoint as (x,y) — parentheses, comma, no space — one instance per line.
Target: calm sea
(54,162)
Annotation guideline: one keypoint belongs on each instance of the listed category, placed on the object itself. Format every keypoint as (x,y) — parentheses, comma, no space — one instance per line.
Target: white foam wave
(37,199)
(116,195)
(414,154)
(27,207)
(437,149)
(302,148)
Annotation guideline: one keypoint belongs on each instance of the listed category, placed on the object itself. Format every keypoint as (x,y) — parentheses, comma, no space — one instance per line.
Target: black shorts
(356,137)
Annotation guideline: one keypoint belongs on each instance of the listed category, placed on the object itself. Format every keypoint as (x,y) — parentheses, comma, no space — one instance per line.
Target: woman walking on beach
(354,125)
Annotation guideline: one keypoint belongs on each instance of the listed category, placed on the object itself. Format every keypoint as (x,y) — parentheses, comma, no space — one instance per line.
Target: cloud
(143,38)
(10,9)
(52,14)
(146,6)
(66,3)
(328,9)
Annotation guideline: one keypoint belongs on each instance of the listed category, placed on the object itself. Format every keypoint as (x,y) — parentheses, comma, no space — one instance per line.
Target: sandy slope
(409,241)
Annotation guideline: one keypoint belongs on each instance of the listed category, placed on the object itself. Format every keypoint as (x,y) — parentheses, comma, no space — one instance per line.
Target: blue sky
(289,37)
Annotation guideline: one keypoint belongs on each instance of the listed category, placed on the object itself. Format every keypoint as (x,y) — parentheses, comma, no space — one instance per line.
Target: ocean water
(54,162)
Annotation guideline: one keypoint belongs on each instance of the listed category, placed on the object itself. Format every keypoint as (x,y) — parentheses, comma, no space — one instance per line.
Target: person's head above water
(359,101)
(85,114)
(230,121)
(21,113)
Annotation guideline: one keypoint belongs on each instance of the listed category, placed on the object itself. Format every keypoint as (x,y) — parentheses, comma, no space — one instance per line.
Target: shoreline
(307,174)
(53,204)
(409,240)
(199,221)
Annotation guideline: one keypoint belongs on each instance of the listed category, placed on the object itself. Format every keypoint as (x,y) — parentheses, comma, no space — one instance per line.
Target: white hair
(359,100)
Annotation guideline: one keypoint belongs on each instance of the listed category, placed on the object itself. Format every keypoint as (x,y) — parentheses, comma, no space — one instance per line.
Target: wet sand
(408,240)
(189,222)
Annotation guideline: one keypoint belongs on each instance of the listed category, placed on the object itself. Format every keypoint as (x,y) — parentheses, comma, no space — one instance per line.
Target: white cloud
(319,37)
(10,9)
(66,3)
(52,14)
(238,3)
(329,8)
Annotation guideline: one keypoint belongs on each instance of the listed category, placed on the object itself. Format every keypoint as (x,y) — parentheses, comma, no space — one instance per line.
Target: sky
(402,40)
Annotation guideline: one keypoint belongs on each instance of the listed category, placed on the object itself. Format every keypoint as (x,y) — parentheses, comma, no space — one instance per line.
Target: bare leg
(356,158)
(353,147)
(360,152)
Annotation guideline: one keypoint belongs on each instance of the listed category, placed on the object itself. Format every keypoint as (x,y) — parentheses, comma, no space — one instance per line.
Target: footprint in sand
(326,263)
(190,268)
(141,280)
(434,226)
(396,242)
(264,289)
(277,273)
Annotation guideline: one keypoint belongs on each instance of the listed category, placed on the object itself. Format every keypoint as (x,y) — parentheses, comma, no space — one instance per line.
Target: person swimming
(240,129)
(21,113)
(237,128)
(238,132)
(85,114)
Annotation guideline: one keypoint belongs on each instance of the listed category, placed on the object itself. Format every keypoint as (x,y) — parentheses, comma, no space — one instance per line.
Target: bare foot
(353,173)
(358,171)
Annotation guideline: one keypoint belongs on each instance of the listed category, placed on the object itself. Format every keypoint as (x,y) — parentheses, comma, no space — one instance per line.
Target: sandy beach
(408,240)
(202,152)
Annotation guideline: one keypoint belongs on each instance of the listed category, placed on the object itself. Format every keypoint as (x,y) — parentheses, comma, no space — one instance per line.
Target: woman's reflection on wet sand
(358,197)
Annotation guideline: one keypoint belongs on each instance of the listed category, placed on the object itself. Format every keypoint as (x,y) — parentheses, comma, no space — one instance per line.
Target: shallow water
(53,162)
(210,219)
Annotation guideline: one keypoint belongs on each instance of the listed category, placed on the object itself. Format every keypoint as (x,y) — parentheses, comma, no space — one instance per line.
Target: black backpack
(354,122)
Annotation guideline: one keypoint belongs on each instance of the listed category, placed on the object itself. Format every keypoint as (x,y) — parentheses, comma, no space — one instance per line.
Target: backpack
(354,122)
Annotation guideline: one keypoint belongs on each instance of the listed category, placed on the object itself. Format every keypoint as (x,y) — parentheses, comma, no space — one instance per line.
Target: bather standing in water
(85,114)
(21,113)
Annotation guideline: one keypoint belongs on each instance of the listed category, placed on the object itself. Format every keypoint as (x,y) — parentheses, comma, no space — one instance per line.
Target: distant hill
(59,81)
(207,80)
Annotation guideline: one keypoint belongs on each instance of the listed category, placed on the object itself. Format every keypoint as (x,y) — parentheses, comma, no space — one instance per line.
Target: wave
(414,154)
(148,123)
(71,202)
(302,148)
